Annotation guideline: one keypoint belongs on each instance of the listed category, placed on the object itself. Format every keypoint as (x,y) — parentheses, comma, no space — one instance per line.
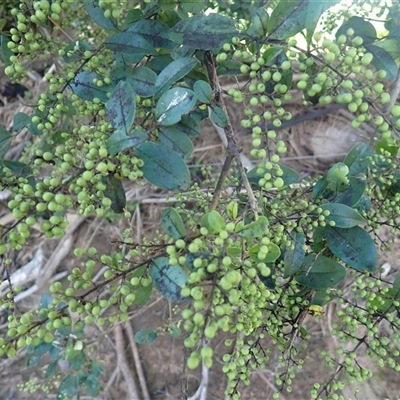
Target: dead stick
(138,364)
(123,364)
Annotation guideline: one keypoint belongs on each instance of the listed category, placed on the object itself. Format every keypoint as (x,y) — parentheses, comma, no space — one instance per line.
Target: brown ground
(162,361)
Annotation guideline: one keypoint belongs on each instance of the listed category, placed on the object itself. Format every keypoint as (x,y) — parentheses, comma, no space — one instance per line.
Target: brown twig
(138,364)
(133,393)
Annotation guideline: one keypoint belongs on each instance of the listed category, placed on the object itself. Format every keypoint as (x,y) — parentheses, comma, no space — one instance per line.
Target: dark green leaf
(168,279)
(5,52)
(204,32)
(392,46)
(177,141)
(5,140)
(84,87)
(75,51)
(172,73)
(342,215)
(121,107)
(354,246)
(173,104)
(131,44)
(396,287)
(157,64)
(229,67)
(189,126)
(21,120)
(115,192)
(320,272)
(259,24)
(203,92)
(143,294)
(364,204)
(132,16)
(219,117)
(353,193)
(192,6)
(154,32)
(68,387)
(92,386)
(51,369)
(383,61)
(96,13)
(163,167)
(272,53)
(119,141)
(361,28)
(172,223)
(141,79)
(79,360)
(145,336)
(357,159)
(294,258)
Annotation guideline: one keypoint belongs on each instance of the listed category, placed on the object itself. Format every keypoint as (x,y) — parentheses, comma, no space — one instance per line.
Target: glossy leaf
(383,61)
(163,168)
(204,32)
(192,6)
(155,32)
(219,117)
(259,23)
(115,192)
(120,141)
(213,222)
(293,258)
(253,229)
(364,204)
(342,215)
(21,120)
(84,87)
(176,140)
(145,336)
(357,159)
(121,107)
(203,92)
(168,279)
(5,141)
(354,246)
(229,67)
(130,43)
(172,73)
(320,272)
(5,52)
(361,28)
(173,104)
(274,252)
(141,79)
(353,193)
(96,13)
(189,126)
(172,223)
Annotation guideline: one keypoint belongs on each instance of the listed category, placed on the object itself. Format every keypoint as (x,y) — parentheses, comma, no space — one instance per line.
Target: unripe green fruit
(206,352)
(244,69)
(366,59)
(277,76)
(395,111)
(193,361)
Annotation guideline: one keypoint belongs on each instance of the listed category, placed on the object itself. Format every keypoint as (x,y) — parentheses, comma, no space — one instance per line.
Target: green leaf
(213,222)
(259,24)
(289,175)
(21,120)
(163,167)
(342,215)
(294,258)
(3,23)
(115,191)
(96,13)
(172,73)
(287,19)
(145,336)
(192,6)
(203,92)
(5,141)
(131,44)
(141,79)
(361,28)
(396,287)
(354,246)
(168,279)
(189,126)
(204,32)
(51,369)
(157,64)
(253,229)
(120,141)
(155,32)
(84,87)
(176,140)
(175,331)
(320,272)
(75,51)
(121,107)
(383,61)
(5,52)
(272,53)
(172,223)
(173,104)
(353,193)
(142,294)
(219,117)
(274,252)
(357,159)
(392,46)
(68,387)
(229,67)
(364,204)
(20,168)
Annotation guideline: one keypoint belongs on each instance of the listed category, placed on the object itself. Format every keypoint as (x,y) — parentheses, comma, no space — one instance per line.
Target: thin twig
(201,392)
(138,364)
(123,364)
